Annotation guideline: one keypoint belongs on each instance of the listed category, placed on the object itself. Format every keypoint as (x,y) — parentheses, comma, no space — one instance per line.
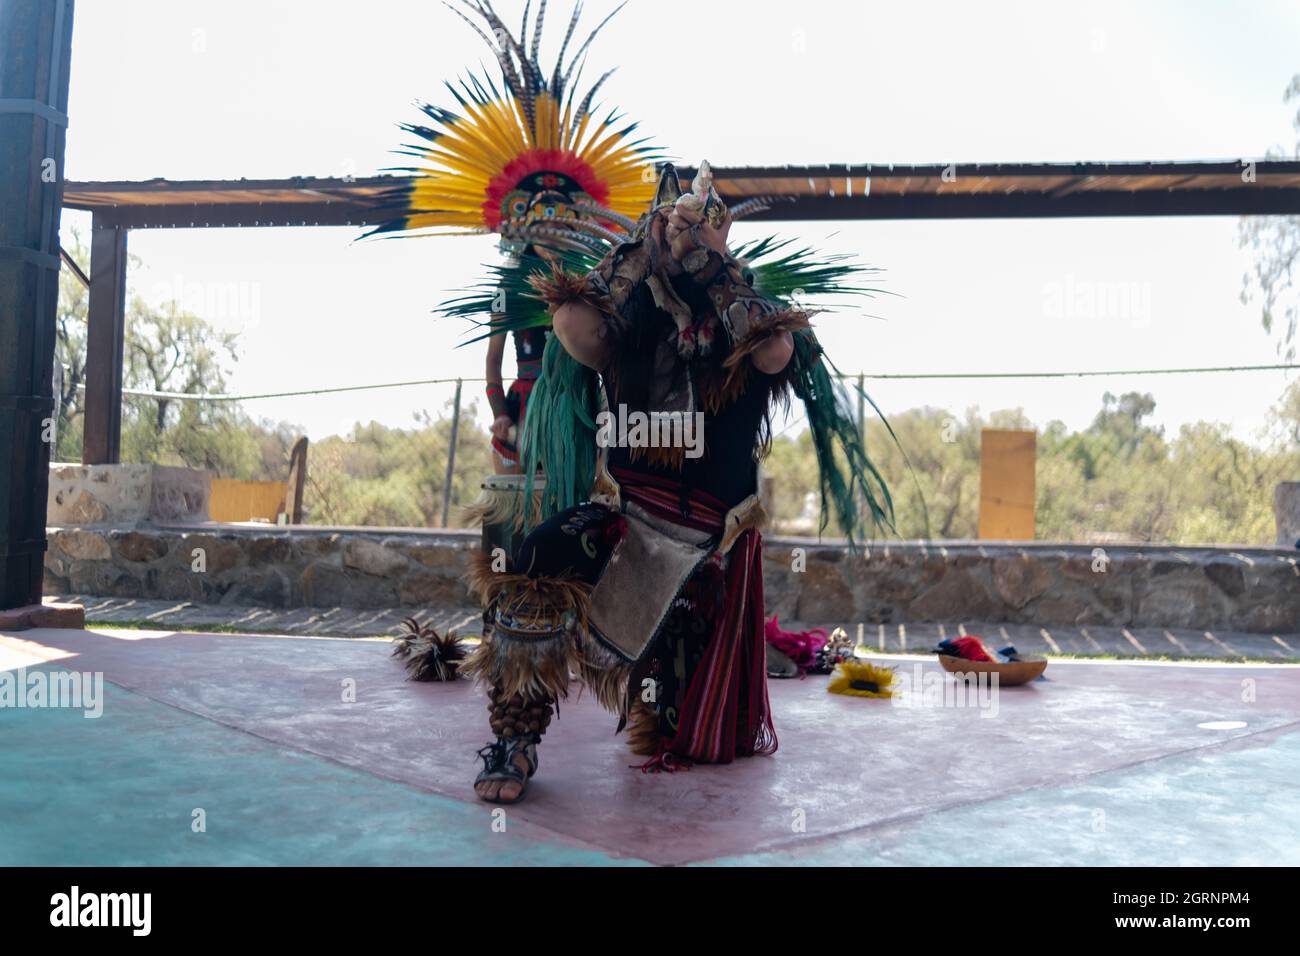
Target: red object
(800,646)
(536,161)
(663,761)
(971,648)
(509,451)
(725,713)
(614,529)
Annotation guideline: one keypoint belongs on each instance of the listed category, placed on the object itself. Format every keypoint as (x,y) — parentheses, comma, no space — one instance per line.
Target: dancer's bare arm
(582,331)
(496,351)
(774,355)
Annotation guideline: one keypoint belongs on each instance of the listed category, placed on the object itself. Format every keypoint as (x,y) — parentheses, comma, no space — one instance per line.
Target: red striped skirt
(725,712)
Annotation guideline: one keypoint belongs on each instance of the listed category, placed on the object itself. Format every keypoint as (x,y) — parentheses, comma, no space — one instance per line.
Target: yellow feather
(472,149)
(864,674)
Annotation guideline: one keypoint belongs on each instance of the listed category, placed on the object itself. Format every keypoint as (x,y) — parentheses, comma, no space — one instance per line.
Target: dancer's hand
(663,252)
(501,427)
(683,241)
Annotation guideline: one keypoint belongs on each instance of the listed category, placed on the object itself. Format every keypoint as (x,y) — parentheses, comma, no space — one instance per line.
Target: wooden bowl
(1009,675)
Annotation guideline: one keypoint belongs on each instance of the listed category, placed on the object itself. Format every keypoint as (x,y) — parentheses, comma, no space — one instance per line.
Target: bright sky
(183,89)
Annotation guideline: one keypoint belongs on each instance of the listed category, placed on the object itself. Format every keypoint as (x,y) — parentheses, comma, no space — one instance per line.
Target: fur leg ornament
(428,655)
(533,629)
(643,729)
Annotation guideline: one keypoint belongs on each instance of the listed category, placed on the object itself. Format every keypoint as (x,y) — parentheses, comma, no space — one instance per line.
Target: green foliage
(165,350)
(393,477)
(1120,479)
(168,350)
(70,352)
(1275,241)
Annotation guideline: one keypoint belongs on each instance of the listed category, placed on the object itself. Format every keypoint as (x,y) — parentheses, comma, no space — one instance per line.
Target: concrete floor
(1100,763)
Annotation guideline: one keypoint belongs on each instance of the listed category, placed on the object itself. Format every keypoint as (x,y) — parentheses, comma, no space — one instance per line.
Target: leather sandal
(499,764)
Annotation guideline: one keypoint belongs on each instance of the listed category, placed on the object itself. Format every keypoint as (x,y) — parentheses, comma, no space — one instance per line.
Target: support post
(862,406)
(297,481)
(105,339)
(451,455)
(861,503)
(35,50)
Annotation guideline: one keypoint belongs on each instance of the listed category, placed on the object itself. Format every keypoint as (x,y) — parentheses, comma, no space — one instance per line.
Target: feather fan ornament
(525,157)
(429,656)
(800,647)
(861,679)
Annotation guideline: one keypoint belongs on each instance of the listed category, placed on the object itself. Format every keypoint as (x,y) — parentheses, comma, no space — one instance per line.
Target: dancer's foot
(507,766)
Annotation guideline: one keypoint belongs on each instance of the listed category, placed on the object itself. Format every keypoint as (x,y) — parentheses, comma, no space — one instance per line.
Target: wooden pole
(105,340)
(297,481)
(451,455)
(861,503)
(35,50)
(862,406)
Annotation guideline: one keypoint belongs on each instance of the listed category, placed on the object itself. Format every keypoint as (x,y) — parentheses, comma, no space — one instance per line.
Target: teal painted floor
(1224,808)
(122,789)
(1100,765)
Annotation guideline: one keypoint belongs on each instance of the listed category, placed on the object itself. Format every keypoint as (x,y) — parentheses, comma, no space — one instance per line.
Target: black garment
(672,663)
(576,543)
(728,469)
(529,344)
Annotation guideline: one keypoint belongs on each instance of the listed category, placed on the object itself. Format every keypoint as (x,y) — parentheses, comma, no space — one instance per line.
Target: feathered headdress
(529,160)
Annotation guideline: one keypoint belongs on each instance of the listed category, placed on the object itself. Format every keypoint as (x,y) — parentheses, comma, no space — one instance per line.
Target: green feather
(800,274)
(504,301)
(559,432)
(846,472)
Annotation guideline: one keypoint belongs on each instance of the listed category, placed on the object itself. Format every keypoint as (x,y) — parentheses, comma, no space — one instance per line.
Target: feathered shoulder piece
(529,159)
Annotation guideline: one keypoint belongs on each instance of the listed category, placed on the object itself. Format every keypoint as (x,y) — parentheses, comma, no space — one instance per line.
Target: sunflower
(862,679)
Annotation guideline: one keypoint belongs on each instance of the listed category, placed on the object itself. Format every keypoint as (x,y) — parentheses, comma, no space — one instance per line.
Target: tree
(165,350)
(1276,242)
(70,352)
(168,351)
(393,477)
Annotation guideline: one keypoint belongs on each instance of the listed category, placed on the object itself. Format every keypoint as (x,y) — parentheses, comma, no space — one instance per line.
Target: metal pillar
(35,49)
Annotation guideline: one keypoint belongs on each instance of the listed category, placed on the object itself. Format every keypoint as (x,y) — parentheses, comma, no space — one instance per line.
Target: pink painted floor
(846,766)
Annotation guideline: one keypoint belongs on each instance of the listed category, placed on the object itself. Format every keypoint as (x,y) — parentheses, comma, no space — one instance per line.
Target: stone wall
(261,566)
(1254,590)
(122,495)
